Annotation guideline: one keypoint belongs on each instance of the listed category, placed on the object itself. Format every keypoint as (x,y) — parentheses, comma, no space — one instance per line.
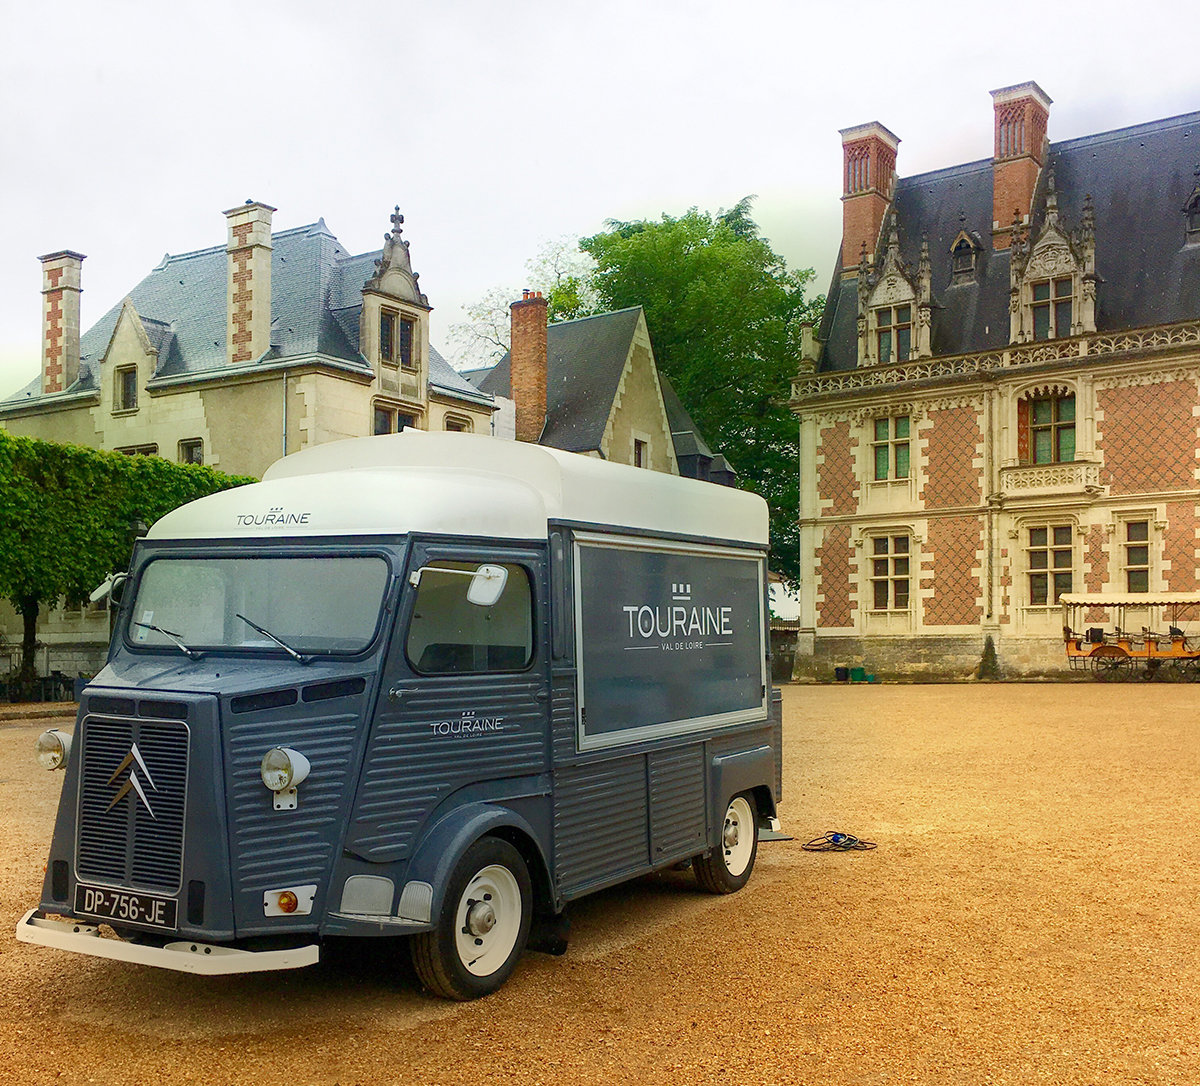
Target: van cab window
(449,634)
(313,605)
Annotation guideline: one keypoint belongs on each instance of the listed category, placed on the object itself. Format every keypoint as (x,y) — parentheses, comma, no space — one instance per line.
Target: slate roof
(686,438)
(1139,178)
(585,360)
(316,300)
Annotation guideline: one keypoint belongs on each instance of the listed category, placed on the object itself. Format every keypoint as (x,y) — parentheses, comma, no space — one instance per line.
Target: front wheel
(483,924)
(727,868)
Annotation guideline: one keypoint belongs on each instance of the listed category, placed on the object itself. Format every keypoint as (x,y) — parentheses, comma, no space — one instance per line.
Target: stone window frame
(1028,544)
(388,340)
(121,386)
(1051,306)
(1023,410)
(888,579)
(148,449)
(186,446)
(892,329)
(893,442)
(1122,544)
(394,414)
(454,423)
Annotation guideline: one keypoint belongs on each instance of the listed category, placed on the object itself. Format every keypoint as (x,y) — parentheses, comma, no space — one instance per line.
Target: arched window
(1046,427)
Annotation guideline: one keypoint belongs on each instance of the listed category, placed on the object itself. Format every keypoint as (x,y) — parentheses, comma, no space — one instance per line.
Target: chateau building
(1002,402)
(233,356)
(592,386)
(285,329)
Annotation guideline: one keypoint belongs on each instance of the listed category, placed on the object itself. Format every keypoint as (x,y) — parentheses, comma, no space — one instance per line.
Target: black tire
(493,925)
(727,867)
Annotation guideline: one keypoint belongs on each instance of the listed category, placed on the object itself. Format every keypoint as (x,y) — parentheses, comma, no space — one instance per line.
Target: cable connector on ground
(837,842)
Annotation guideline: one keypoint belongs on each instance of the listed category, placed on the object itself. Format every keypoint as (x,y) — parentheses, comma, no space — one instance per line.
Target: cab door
(463,699)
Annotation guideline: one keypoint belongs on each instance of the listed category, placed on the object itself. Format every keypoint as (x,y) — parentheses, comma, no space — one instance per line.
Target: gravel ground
(1030,916)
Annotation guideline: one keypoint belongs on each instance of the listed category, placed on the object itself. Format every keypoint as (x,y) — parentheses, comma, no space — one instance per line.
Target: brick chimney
(61,274)
(868,177)
(527,363)
(1022,113)
(248,282)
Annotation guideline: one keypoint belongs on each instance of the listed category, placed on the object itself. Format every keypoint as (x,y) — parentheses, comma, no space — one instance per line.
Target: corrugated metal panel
(563,714)
(273,848)
(600,824)
(436,740)
(676,803)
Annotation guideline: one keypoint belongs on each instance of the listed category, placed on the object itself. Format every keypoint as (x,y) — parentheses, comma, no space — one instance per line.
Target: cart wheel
(1112,668)
(1172,672)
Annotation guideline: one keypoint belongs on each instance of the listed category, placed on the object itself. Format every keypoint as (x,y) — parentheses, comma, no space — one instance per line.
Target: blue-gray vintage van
(432,686)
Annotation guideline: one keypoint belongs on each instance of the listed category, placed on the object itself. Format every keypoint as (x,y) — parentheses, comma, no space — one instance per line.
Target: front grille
(136,840)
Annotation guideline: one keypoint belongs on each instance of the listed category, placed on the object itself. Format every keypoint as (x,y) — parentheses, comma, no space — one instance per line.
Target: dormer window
(405,354)
(387,336)
(396,337)
(964,258)
(1052,308)
(1193,220)
(125,394)
(893,333)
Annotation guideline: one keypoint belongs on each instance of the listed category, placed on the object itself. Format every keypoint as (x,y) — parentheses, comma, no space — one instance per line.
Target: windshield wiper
(191,654)
(282,644)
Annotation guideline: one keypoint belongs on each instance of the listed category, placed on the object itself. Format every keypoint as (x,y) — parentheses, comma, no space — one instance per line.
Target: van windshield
(313,605)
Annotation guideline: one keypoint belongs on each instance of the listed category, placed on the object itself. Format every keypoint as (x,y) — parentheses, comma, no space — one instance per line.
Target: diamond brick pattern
(953,444)
(1148,438)
(1179,547)
(952,547)
(836,484)
(1096,576)
(834,605)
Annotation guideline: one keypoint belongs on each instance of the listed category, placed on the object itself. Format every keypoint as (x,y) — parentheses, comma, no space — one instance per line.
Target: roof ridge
(595,316)
(1164,124)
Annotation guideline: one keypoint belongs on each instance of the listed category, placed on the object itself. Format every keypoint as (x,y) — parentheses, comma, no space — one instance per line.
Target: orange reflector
(288,902)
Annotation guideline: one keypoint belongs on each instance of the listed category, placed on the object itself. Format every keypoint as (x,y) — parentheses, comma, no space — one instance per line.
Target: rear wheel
(483,924)
(727,868)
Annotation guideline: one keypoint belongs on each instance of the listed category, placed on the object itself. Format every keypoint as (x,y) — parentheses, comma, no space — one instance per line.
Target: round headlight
(52,749)
(283,768)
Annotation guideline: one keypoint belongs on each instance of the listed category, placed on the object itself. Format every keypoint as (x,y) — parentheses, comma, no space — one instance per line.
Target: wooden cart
(1137,634)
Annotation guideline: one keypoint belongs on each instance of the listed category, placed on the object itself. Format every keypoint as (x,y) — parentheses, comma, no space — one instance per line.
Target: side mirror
(113,586)
(487,581)
(487,585)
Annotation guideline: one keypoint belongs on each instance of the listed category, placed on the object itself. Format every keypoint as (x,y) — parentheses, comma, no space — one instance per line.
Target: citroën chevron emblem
(132,782)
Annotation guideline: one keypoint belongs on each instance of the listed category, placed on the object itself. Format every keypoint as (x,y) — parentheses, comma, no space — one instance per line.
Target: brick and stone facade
(1050,415)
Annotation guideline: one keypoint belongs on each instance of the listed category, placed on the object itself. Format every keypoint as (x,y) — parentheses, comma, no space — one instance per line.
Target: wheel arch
(444,845)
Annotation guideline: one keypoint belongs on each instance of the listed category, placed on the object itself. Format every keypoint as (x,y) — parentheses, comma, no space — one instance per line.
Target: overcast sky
(128,128)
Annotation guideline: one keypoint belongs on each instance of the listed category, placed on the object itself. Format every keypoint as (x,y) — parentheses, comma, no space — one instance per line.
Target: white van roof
(461,484)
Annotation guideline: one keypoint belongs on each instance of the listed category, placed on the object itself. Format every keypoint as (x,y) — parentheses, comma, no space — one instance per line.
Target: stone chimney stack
(1022,114)
(61,275)
(248,282)
(868,178)
(527,360)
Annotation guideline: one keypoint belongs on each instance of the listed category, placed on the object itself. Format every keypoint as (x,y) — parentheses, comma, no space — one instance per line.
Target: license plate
(123,907)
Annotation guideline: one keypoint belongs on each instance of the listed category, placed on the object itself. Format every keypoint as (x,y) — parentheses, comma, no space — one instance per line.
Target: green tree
(67,516)
(724,314)
(561,271)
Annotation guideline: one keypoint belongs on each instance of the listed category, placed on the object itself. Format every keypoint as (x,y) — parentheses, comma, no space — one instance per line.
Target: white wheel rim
(492,897)
(737,836)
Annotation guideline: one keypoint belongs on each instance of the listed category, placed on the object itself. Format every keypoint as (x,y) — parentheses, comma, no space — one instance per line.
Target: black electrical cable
(837,842)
